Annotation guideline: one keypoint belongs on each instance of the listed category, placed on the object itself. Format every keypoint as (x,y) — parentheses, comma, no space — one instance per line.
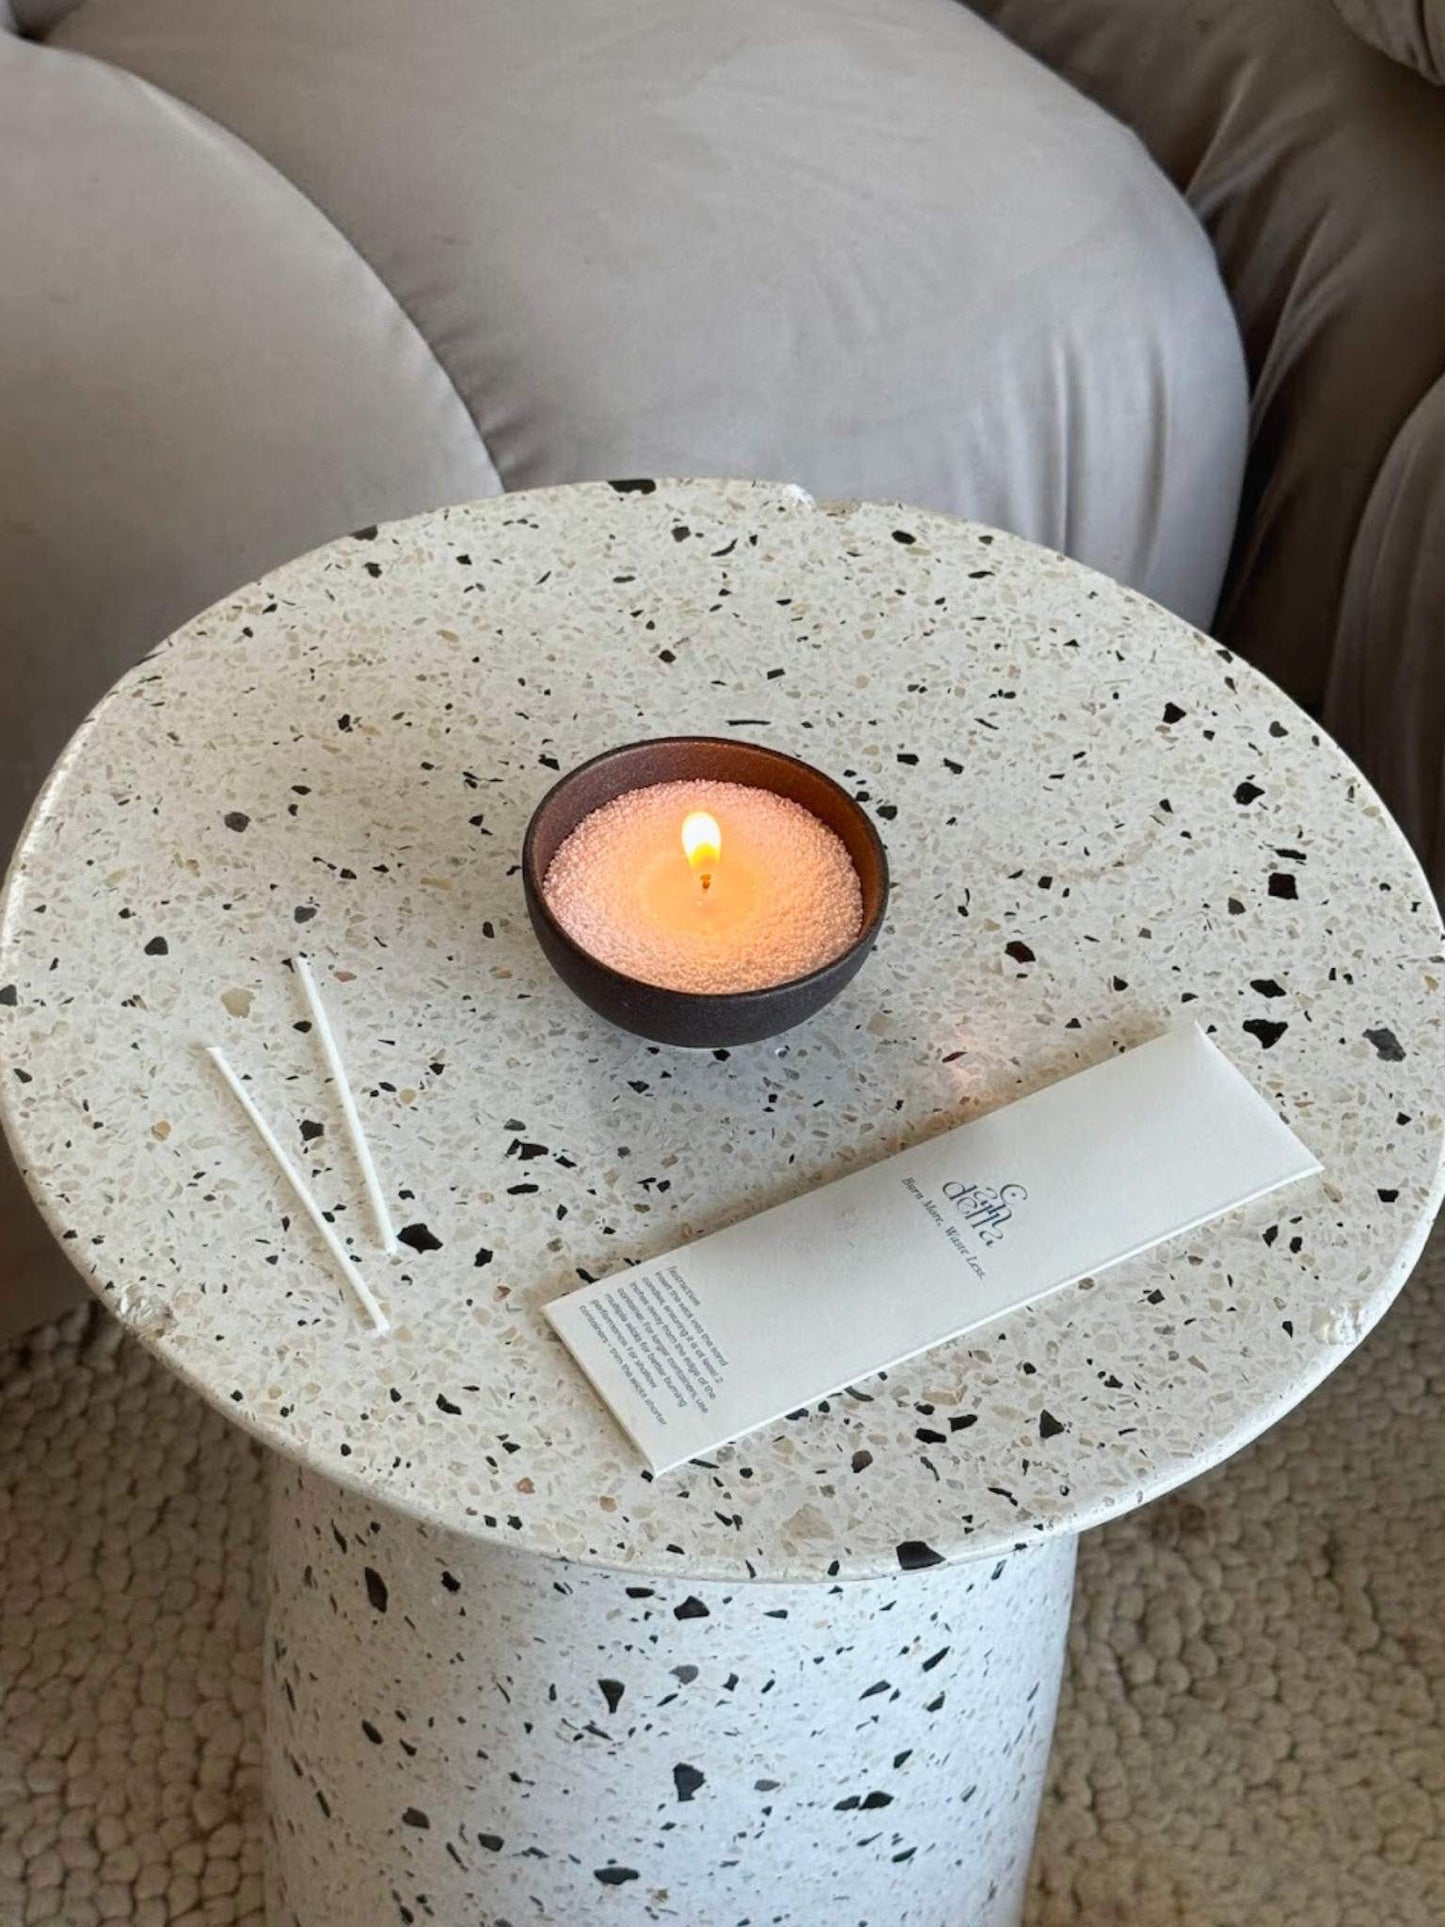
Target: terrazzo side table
(511,1677)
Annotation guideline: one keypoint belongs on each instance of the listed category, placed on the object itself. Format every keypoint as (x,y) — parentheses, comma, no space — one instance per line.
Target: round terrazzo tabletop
(1098,821)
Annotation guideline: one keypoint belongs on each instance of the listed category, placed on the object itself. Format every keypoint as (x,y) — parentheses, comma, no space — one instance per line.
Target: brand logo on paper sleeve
(985,1208)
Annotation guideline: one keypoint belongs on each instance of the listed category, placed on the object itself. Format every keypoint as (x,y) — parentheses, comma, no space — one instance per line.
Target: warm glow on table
(706,886)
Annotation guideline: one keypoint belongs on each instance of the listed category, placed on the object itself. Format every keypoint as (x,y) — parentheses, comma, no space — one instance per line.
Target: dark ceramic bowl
(699,1020)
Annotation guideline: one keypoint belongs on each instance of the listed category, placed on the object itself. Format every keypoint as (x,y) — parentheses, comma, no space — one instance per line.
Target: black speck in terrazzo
(1387,1195)
(373,568)
(493,1842)
(304,912)
(371,1733)
(444,1404)
(1235,907)
(1387,1045)
(1173,713)
(419,1237)
(638,487)
(862,1460)
(1268,1033)
(1049,1426)
(691,1608)
(902,535)
(310,1129)
(8,994)
(1019,951)
(612,1691)
(1247,793)
(914,1555)
(414,1817)
(687,1780)
(368,534)
(1282,884)
(681,532)
(451,1583)
(1266,986)
(236,820)
(616,1876)
(876,1800)
(158,947)
(376,1590)
(483,1257)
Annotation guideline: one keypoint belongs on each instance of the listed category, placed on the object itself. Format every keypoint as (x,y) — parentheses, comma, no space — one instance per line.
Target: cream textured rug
(1251,1733)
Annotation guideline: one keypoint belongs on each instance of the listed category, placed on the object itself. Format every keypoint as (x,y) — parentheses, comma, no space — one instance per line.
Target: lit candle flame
(702,843)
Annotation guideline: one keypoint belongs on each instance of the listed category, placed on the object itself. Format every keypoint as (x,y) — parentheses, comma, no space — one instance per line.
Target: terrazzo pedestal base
(480,1738)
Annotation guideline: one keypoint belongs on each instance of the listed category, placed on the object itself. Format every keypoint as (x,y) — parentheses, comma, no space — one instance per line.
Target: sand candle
(706,886)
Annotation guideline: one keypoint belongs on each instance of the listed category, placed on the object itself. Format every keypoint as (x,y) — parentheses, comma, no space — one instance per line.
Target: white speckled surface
(459,1735)
(1096,821)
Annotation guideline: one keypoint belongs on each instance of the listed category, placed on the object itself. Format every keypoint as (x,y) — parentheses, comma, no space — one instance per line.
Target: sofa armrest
(1319,170)
(1386,698)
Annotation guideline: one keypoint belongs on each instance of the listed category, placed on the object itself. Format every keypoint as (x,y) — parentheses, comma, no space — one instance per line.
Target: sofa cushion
(198,378)
(1412,31)
(861,244)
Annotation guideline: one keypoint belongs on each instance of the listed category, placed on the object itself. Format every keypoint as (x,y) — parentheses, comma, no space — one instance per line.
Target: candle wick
(707,879)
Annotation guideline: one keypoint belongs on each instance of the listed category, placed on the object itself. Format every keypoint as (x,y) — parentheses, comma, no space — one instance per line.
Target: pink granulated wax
(781,897)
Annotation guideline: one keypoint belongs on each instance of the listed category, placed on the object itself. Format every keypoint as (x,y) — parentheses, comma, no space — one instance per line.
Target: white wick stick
(304,1198)
(385,1229)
